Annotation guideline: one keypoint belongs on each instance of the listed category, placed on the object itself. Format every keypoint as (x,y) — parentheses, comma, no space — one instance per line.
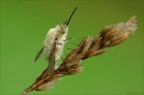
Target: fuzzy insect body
(57,35)
(54,43)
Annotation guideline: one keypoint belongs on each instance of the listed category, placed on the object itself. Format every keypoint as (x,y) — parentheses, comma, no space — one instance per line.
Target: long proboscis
(71,16)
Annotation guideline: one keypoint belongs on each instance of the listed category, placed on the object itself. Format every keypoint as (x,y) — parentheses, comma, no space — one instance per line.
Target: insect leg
(70,49)
(69,39)
(73,43)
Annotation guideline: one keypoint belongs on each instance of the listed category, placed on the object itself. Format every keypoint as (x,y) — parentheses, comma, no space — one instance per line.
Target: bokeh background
(23,27)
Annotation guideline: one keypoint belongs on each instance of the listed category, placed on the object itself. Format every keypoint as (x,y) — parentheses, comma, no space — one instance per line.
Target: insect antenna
(67,22)
(61,57)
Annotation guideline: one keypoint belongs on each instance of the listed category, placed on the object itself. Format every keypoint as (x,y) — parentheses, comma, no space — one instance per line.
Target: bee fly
(54,43)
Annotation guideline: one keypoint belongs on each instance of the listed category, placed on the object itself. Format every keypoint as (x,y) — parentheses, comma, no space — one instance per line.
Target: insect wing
(39,54)
(51,58)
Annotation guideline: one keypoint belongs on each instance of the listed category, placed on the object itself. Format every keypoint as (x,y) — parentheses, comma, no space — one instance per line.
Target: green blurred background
(23,27)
